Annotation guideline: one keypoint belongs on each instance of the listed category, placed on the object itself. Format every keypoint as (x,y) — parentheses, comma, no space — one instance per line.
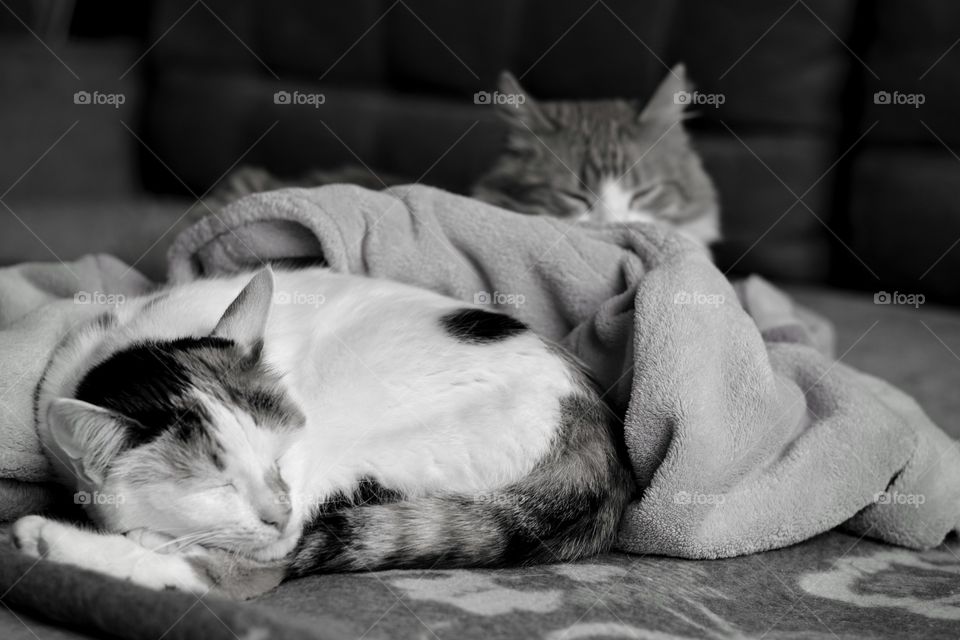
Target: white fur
(385,391)
(614,205)
(114,555)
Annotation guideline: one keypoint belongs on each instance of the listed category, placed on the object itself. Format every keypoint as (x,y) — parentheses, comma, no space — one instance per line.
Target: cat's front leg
(137,557)
(111,554)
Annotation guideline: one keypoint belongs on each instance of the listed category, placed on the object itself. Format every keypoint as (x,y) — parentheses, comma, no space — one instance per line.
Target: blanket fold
(39,304)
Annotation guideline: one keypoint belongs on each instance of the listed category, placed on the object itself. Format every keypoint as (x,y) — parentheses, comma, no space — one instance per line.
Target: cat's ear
(517,107)
(88,437)
(670,98)
(245,319)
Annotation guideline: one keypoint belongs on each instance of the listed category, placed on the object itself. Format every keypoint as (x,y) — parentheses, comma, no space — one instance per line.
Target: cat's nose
(275,513)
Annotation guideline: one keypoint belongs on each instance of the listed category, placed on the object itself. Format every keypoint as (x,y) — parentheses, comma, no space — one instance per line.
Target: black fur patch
(298,262)
(154,384)
(478,326)
(147,384)
(367,491)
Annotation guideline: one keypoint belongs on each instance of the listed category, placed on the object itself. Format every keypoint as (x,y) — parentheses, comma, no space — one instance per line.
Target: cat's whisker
(187,540)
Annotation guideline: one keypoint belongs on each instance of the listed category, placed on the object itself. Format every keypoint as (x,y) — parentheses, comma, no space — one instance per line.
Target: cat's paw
(27,535)
(42,537)
(110,554)
(173,573)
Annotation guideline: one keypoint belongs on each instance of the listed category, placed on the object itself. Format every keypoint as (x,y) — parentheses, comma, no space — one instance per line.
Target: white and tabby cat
(233,432)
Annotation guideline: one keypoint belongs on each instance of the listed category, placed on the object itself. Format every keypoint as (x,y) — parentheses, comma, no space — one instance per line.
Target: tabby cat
(596,161)
(232,432)
(603,161)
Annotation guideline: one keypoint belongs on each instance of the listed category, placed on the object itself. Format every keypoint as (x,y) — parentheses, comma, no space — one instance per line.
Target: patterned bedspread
(836,586)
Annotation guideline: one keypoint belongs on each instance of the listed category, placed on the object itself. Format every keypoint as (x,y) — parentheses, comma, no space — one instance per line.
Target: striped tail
(568,507)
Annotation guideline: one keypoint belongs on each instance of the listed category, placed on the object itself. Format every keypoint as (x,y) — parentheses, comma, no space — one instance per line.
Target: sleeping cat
(603,161)
(582,161)
(233,432)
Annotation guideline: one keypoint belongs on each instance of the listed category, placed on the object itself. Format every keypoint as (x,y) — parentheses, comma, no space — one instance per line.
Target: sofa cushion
(764,228)
(913,57)
(53,146)
(778,63)
(905,220)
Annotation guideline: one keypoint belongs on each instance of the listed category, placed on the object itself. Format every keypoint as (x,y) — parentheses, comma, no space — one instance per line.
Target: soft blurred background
(835,148)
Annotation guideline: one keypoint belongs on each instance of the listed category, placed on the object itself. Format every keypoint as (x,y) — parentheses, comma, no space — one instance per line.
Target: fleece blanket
(39,304)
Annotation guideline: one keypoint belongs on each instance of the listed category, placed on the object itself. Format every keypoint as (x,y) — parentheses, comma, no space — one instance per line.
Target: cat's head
(603,161)
(184,436)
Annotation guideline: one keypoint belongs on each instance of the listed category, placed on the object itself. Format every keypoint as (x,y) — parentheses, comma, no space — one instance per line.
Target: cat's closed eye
(574,200)
(644,195)
(664,197)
